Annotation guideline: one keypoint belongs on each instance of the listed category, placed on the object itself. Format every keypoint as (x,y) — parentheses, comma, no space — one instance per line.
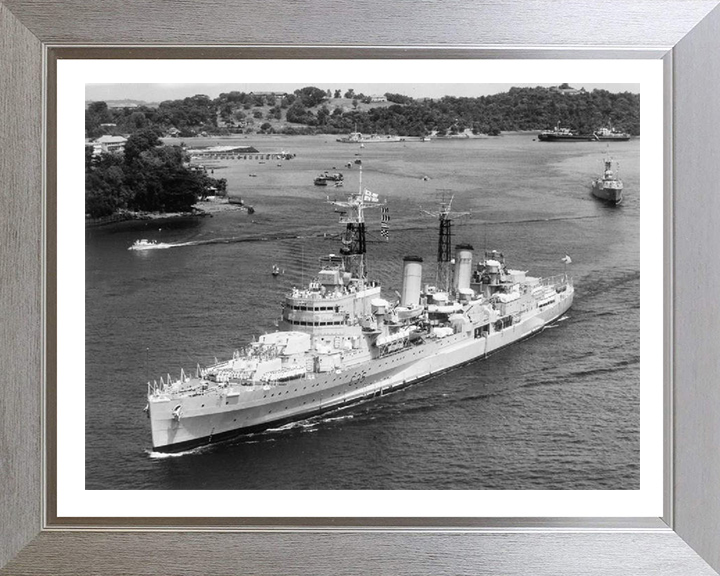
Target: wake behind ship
(340,342)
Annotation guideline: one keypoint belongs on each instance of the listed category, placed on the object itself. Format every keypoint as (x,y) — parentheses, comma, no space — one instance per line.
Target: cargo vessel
(558,134)
(341,341)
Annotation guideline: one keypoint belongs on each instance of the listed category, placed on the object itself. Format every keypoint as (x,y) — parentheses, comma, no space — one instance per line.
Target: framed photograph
(316,300)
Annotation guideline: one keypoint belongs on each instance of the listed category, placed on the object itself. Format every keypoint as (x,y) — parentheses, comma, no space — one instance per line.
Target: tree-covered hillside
(311,110)
(147,177)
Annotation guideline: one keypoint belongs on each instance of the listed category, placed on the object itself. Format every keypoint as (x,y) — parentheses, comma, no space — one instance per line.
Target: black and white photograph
(362,286)
(419,288)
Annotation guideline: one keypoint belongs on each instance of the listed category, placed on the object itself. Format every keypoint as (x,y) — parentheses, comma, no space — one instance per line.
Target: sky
(160,92)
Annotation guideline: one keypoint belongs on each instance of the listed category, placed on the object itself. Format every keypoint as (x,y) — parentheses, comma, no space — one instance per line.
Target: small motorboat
(143,244)
(275,270)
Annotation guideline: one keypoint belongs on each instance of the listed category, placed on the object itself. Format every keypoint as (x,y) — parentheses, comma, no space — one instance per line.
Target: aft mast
(444,246)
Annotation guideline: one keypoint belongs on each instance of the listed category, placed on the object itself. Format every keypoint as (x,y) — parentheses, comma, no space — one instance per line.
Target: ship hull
(205,420)
(565,138)
(371,140)
(617,138)
(610,195)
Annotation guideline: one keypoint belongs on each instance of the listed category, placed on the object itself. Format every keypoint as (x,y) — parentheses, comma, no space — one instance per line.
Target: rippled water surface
(558,411)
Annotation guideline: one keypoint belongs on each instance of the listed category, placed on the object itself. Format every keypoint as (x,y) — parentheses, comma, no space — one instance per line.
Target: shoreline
(201,209)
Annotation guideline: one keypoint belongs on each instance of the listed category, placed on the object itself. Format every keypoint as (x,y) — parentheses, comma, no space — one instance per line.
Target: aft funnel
(412,281)
(463,267)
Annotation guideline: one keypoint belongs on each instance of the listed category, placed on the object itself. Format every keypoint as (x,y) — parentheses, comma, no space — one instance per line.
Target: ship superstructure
(341,342)
(606,133)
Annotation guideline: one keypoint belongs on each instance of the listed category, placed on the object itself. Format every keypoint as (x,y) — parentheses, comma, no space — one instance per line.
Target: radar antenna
(444,247)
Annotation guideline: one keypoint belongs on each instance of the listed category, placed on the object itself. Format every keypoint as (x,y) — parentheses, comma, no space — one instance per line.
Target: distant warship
(340,342)
(608,187)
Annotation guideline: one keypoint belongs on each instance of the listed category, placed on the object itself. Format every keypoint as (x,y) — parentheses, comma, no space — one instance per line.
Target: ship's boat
(340,342)
(608,187)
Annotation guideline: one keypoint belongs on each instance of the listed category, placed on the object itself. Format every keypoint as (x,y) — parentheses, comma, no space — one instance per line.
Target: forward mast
(354,245)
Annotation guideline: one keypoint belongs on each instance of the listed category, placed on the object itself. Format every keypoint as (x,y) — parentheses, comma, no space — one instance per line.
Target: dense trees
(147,177)
(398,98)
(311,96)
(307,110)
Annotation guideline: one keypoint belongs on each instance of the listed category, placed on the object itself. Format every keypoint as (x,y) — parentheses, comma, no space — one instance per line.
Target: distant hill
(125,103)
(312,110)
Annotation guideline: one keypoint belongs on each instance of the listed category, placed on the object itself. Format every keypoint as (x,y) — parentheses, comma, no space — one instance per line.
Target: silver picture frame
(684,541)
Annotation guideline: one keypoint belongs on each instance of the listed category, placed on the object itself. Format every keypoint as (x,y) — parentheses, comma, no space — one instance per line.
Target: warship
(359,138)
(340,342)
(608,187)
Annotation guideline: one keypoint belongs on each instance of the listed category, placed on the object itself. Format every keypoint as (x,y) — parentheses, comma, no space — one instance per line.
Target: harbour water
(558,411)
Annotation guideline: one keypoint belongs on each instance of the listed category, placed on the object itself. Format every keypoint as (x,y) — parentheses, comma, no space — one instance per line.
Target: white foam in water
(338,418)
(161,455)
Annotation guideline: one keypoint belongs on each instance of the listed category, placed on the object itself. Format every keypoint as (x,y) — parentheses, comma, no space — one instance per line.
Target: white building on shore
(108,143)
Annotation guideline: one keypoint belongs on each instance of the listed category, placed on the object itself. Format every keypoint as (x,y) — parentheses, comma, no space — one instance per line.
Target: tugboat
(608,187)
(341,342)
(611,134)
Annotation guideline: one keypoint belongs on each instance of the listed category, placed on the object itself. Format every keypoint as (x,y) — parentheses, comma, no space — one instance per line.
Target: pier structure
(237,153)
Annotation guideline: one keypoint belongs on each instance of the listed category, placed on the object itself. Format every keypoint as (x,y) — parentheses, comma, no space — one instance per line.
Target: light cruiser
(340,342)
